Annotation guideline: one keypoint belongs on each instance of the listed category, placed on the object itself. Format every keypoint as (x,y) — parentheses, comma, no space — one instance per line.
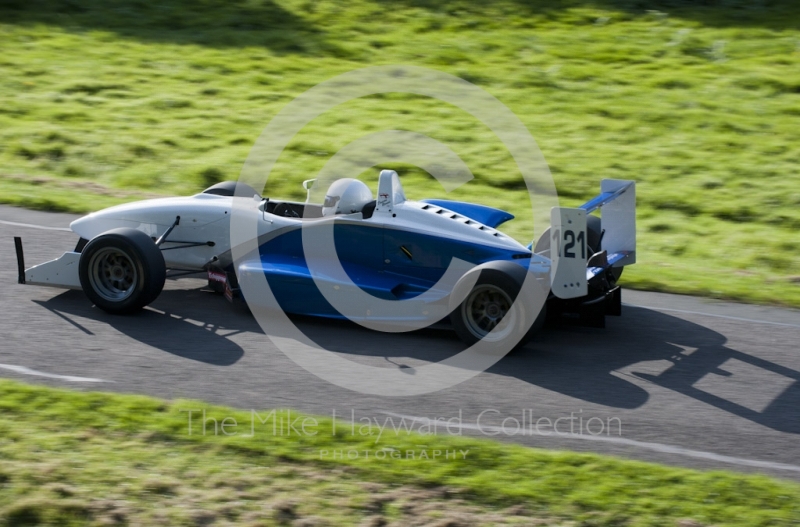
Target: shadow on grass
(213,23)
(772,14)
(266,23)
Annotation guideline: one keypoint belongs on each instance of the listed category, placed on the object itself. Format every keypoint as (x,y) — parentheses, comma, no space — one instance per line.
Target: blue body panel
(489,216)
(373,258)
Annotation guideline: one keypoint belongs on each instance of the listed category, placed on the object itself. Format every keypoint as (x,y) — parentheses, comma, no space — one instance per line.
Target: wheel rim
(112,274)
(488,314)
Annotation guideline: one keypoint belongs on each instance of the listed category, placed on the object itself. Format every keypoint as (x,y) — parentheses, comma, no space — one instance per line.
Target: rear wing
(617,203)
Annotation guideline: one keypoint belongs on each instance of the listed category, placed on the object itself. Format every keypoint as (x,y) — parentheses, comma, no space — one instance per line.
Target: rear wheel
(489,313)
(122,270)
(486,309)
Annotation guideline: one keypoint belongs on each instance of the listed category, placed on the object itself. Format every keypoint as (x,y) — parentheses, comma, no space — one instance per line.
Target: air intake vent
(461,219)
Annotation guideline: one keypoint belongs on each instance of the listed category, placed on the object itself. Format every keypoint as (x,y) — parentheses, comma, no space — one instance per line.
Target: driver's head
(346,196)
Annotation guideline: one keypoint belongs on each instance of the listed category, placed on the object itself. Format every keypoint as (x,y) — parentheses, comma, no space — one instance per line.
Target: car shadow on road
(177,323)
(607,367)
(601,366)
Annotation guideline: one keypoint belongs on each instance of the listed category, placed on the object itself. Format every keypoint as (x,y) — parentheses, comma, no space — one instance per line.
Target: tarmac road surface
(679,380)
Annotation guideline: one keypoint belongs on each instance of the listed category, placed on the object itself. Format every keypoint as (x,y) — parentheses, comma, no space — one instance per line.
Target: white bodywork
(394,210)
(203,218)
(61,272)
(206,218)
(205,221)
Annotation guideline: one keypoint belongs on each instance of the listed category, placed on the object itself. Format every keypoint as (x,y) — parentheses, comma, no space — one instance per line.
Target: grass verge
(698,102)
(74,458)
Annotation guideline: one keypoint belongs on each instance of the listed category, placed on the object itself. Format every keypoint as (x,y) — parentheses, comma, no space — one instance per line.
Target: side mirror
(263,205)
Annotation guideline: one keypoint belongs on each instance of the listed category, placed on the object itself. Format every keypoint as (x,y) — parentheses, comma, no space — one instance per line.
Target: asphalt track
(680,380)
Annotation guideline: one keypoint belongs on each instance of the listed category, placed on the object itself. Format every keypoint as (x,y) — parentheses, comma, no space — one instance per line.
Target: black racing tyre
(490,314)
(122,270)
(594,232)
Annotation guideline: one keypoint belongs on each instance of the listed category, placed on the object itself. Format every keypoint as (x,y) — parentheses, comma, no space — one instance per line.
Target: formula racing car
(391,250)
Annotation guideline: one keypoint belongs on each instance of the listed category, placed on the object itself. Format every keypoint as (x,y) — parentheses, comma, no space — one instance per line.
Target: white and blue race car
(391,249)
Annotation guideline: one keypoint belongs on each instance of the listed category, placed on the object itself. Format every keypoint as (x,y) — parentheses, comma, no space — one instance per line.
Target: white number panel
(568,251)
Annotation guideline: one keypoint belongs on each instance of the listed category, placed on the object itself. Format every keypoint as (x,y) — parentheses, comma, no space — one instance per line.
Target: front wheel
(122,270)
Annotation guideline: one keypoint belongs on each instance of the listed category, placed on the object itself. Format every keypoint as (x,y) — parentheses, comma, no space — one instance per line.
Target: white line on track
(655,447)
(740,319)
(27,371)
(32,226)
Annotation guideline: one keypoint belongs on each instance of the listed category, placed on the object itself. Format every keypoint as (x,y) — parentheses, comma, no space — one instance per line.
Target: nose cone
(97,223)
(87,226)
(82,226)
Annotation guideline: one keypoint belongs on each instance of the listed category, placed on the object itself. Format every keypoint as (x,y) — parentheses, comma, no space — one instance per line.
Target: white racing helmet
(346,196)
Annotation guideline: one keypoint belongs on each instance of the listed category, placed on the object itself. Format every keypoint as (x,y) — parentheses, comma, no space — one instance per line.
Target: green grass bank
(76,458)
(105,102)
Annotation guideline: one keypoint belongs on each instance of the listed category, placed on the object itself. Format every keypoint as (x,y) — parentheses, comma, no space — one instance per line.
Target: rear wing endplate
(617,203)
